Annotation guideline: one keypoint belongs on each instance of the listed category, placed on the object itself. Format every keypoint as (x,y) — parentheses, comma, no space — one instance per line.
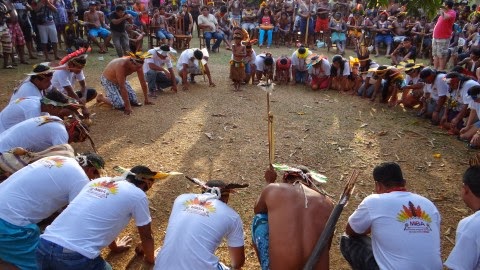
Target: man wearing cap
(289,218)
(404,227)
(54,103)
(471,131)
(299,66)
(35,85)
(466,252)
(106,205)
(95,20)
(442,33)
(434,94)
(118,19)
(118,92)
(193,62)
(196,227)
(159,70)
(34,193)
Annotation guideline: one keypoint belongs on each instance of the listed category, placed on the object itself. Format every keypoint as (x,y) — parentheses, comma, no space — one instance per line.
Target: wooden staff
(421,41)
(332,221)
(271,143)
(306,30)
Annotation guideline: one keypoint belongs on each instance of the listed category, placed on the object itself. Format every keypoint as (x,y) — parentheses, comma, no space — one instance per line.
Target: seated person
(289,218)
(384,35)
(264,66)
(193,62)
(338,28)
(135,38)
(405,51)
(95,21)
(199,222)
(319,71)
(404,227)
(160,25)
(471,131)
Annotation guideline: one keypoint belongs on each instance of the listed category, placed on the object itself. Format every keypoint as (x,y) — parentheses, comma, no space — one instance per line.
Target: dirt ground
(215,133)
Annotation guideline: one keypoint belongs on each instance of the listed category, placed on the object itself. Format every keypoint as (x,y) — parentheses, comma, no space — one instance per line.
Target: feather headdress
(75,56)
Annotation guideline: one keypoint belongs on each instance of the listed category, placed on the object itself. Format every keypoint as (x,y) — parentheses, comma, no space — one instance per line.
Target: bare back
(296,216)
(119,68)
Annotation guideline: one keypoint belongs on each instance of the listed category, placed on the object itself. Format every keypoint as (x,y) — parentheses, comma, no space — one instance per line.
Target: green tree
(414,7)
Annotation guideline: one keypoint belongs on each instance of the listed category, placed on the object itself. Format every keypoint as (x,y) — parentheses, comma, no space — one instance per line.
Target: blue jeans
(301,76)
(157,79)
(53,256)
(269,37)
(209,35)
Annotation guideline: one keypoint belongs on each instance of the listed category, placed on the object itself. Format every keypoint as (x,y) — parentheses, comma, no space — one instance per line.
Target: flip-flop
(471,146)
(135,104)
(462,140)
(9,67)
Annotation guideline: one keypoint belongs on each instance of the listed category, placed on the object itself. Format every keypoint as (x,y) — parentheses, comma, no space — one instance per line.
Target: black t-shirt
(117,27)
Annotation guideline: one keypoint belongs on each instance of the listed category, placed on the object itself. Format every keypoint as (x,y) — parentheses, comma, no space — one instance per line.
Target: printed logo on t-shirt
(50,162)
(414,218)
(102,189)
(18,100)
(45,119)
(195,206)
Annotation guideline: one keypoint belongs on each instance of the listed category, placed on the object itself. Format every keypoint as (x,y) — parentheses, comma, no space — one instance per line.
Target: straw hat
(314,59)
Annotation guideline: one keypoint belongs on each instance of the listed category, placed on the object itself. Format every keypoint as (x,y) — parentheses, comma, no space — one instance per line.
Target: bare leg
(55,51)
(102,99)
(106,42)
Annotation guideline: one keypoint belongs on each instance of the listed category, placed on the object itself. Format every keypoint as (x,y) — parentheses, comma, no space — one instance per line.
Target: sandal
(9,67)
(135,104)
(471,146)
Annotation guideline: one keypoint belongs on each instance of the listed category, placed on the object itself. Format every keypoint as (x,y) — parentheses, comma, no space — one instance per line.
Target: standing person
(118,19)
(18,40)
(46,27)
(34,193)
(158,77)
(209,24)
(289,219)
(404,227)
(196,227)
(106,205)
(237,66)
(466,252)
(442,33)
(118,91)
(61,20)
(23,10)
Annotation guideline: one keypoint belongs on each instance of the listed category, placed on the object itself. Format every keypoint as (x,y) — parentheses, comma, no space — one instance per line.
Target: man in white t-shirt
(196,227)
(193,62)
(435,94)
(471,131)
(54,103)
(34,193)
(264,66)
(466,252)
(65,76)
(157,76)
(299,66)
(36,84)
(404,227)
(106,206)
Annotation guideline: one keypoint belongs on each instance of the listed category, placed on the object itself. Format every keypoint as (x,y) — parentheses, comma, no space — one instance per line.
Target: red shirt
(444,27)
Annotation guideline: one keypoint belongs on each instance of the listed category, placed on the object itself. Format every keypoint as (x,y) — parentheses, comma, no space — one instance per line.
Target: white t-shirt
(26,89)
(250,59)
(97,215)
(346,69)
(157,61)
(210,20)
(260,62)
(324,70)
(411,81)
(19,110)
(63,78)
(38,190)
(475,106)
(466,253)
(439,88)
(405,230)
(195,231)
(186,58)
(299,63)
(34,134)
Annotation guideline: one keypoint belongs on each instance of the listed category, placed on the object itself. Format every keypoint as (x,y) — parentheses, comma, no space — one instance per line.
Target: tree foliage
(414,7)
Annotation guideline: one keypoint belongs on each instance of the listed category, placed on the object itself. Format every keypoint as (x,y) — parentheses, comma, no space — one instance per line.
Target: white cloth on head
(405,230)
(19,110)
(64,78)
(39,189)
(26,89)
(155,59)
(34,134)
(466,252)
(97,215)
(195,231)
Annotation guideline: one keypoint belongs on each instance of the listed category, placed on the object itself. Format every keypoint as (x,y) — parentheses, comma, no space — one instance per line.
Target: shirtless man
(290,217)
(118,91)
(95,20)
(239,51)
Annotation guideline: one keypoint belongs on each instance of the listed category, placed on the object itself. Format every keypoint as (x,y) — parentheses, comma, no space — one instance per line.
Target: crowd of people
(41,175)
